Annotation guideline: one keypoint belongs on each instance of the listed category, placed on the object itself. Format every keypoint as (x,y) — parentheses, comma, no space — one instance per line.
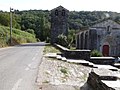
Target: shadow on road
(31,44)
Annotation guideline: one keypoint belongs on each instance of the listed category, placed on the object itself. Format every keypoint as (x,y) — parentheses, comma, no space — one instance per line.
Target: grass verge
(50,49)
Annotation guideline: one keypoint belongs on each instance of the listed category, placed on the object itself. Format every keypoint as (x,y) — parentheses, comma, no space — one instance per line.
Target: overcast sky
(77,5)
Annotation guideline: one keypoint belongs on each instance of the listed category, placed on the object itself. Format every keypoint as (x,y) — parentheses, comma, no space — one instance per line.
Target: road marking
(17,84)
(29,65)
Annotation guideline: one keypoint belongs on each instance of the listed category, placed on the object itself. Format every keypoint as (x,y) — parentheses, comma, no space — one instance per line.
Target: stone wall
(104,33)
(102,60)
(77,54)
(74,54)
(59,23)
(98,76)
(92,39)
(83,40)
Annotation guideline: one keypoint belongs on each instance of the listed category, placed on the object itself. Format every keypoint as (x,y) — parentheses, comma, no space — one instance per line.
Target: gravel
(59,75)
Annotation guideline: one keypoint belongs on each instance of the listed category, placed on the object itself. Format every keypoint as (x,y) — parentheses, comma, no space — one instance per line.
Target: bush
(96,53)
(62,40)
(31,31)
(67,41)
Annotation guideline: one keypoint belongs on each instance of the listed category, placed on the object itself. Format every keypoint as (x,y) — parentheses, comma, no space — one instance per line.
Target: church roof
(60,8)
(106,23)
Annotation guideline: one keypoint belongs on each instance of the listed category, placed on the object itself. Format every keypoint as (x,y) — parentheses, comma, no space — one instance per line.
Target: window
(56,12)
(63,12)
(108,28)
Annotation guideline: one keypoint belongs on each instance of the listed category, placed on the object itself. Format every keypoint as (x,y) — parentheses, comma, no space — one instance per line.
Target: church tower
(59,23)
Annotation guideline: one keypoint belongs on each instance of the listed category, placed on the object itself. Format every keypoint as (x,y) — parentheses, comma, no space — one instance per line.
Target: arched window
(63,12)
(56,12)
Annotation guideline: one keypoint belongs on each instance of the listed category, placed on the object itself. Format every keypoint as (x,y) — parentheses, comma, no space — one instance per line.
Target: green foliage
(45,29)
(36,20)
(67,41)
(30,31)
(46,81)
(64,70)
(4,19)
(96,53)
(39,21)
(62,40)
(18,36)
(71,38)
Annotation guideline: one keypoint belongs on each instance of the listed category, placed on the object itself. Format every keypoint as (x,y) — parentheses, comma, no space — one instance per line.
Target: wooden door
(105,50)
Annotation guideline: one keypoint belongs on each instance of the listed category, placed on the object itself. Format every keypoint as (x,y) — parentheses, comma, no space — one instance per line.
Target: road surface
(19,66)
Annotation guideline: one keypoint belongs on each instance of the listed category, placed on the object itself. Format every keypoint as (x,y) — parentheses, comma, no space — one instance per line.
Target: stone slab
(51,55)
(84,62)
(106,67)
(64,59)
(59,57)
(77,61)
(104,72)
(117,65)
(114,84)
(102,58)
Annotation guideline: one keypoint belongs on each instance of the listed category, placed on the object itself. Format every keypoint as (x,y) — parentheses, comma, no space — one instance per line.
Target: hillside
(38,21)
(18,36)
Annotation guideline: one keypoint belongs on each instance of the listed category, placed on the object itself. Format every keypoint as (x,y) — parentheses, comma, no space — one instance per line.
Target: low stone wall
(74,54)
(96,83)
(102,60)
(77,54)
(96,79)
(61,48)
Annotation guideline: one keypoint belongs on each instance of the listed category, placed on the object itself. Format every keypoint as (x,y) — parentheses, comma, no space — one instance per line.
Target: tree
(30,31)
(4,19)
(71,38)
(44,29)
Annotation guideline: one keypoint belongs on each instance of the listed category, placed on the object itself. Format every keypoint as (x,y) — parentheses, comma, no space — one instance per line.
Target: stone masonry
(104,37)
(59,23)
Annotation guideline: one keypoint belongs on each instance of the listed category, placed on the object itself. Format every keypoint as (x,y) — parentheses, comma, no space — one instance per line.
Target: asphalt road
(19,66)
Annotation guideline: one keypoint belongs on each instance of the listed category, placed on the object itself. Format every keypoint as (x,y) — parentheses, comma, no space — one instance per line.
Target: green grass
(18,36)
(45,81)
(72,48)
(50,49)
(64,70)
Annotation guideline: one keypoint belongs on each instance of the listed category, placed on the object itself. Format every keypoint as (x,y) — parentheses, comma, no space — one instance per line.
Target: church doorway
(105,50)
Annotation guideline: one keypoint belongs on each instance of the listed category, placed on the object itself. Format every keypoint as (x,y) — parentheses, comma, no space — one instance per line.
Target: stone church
(59,23)
(104,37)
